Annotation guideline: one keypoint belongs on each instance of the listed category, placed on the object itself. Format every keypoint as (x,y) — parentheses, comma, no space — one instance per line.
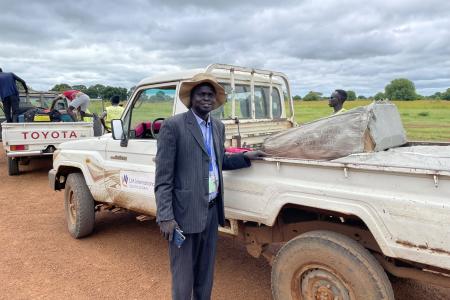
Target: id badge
(212,183)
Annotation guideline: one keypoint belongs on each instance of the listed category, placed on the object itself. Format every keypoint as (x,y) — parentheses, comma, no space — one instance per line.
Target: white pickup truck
(22,141)
(331,230)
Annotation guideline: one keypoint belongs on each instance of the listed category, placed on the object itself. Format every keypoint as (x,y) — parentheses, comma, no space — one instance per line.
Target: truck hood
(91,144)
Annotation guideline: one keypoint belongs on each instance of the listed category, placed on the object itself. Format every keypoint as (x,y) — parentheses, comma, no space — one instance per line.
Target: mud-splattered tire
(13,166)
(79,206)
(328,265)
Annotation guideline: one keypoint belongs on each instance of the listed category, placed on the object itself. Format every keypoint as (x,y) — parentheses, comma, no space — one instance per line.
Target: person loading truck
(77,100)
(10,95)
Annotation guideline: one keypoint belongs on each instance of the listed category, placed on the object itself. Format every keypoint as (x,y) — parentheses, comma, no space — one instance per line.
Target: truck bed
(406,209)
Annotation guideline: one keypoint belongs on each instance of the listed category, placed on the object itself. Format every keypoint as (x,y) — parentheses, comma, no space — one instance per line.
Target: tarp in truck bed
(374,127)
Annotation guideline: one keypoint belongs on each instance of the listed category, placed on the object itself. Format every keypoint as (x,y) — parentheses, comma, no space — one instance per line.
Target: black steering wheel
(152,127)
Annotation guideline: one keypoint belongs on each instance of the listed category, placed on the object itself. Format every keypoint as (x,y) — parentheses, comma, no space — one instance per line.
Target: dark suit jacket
(182,172)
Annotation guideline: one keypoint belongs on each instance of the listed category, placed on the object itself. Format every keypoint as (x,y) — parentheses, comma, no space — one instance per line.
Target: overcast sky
(320,45)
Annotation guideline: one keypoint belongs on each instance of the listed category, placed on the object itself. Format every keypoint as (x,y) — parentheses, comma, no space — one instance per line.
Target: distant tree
(297,98)
(446,95)
(401,89)
(351,96)
(61,87)
(80,87)
(379,96)
(95,91)
(312,96)
(362,97)
(110,91)
(160,96)
(436,96)
(123,93)
(130,91)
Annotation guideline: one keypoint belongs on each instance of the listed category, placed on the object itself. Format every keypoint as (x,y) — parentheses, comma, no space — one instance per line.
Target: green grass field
(423,119)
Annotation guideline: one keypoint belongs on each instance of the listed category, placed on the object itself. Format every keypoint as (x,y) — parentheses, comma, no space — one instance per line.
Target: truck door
(130,169)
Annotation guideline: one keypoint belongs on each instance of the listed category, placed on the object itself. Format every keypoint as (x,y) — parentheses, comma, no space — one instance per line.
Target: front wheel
(79,206)
(328,265)
(13,166)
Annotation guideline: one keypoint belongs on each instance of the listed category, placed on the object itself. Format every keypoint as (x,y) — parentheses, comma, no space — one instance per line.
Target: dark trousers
(192,265)
(11,107)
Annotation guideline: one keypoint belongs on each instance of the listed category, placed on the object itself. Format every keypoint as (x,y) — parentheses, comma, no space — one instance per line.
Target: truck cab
(258,104)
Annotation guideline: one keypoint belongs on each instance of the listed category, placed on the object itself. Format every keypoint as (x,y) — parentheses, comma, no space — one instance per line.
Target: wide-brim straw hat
(187,86)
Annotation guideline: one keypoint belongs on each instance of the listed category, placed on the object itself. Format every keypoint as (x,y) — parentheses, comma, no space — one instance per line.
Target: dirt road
(123,259)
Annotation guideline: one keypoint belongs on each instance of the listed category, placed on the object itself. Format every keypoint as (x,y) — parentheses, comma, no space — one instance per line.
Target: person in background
(111,112)
(77,100)
(189,185)
(10,95)
(337,100)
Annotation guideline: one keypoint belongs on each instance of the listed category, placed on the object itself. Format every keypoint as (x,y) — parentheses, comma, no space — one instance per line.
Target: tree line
(97,91)
(398,89)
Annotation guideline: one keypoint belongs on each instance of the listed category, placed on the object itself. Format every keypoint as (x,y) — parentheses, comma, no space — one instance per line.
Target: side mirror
(117,129)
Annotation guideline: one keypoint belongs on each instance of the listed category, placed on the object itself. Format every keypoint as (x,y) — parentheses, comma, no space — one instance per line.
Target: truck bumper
(52,179)
(27,153)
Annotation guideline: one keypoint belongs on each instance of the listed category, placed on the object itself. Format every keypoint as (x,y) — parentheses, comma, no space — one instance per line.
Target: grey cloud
(321,46)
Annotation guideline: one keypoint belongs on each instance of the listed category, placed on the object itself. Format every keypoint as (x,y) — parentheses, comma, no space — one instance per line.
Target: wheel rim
(72,208)
(319,282)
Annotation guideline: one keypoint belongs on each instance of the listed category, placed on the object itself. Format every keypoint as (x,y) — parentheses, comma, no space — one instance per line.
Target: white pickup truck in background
(22,141)
(330,229)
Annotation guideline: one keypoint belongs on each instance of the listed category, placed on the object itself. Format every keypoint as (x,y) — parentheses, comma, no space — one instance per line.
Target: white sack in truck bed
(374,127)
(428,157)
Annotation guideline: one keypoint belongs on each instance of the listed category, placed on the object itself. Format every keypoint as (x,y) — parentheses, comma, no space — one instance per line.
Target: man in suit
(189,185)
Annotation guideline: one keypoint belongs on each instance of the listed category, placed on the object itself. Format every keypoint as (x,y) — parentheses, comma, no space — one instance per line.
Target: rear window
(44,101)
(243,103)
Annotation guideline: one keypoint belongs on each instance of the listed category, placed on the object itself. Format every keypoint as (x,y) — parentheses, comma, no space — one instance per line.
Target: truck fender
(362,210)
(68,167)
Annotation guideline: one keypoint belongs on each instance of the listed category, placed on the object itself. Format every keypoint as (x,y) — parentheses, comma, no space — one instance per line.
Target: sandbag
(55,115)
(44,115)
(368,128)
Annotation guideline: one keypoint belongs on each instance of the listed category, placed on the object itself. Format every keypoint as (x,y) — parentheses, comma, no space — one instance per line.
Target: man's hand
(167,228)
(255,155)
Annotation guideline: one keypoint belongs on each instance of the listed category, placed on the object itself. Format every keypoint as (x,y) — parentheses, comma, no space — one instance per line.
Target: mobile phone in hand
(178,237)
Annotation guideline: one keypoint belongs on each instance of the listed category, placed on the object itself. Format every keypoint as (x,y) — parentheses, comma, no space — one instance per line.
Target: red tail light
(18,147)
